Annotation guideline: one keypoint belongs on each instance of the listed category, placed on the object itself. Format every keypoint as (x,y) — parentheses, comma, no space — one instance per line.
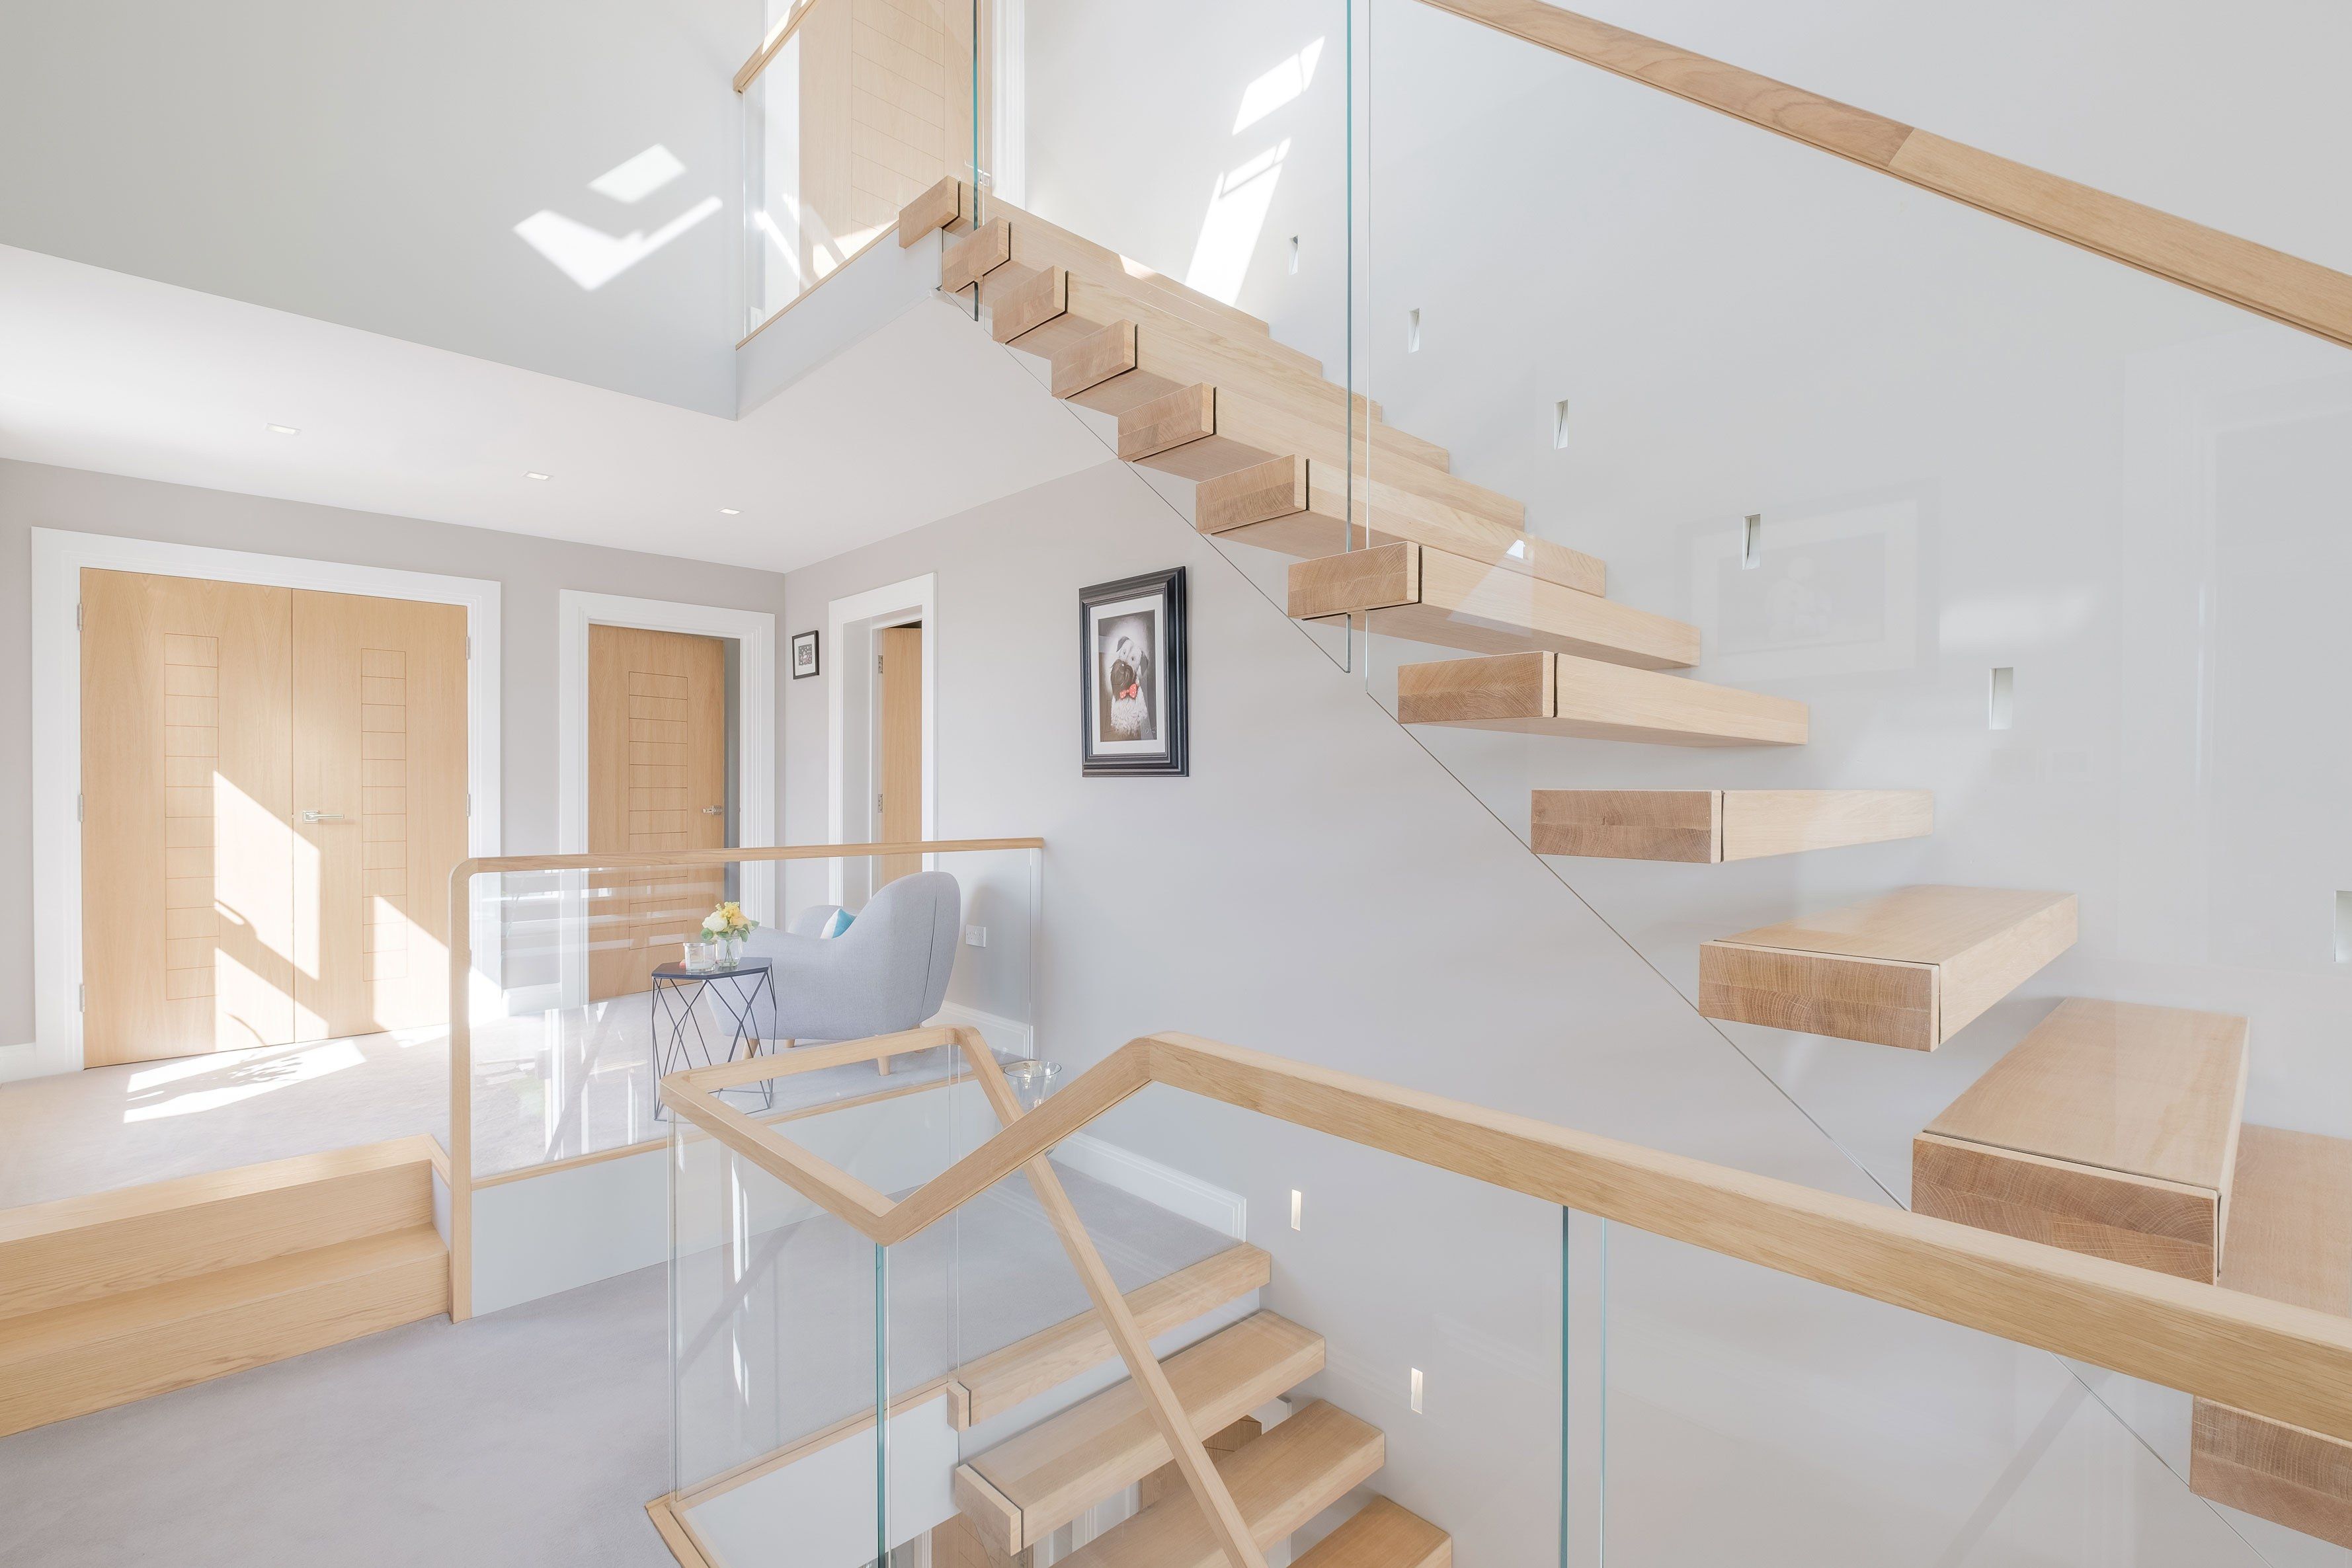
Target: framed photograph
(1132,713)
(804,655)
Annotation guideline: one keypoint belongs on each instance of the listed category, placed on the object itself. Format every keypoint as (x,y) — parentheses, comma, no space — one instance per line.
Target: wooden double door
(273,794)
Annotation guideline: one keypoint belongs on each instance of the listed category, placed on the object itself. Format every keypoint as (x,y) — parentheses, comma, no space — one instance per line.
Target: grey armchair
(887,972)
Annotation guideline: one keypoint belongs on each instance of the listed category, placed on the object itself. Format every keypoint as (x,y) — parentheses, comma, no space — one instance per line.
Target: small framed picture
(804,655)
(1133,716)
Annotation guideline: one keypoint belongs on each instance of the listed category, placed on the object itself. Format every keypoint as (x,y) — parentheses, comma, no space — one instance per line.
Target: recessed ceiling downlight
(281,430)
(535,474)
(731,511)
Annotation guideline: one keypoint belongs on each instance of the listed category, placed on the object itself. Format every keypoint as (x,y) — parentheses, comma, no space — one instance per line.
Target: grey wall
(531,572)
(1321,889)
(367,164)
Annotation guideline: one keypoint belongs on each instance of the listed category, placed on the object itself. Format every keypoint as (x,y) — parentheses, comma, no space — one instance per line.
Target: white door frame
(58,557)
(893,605)
(754,634)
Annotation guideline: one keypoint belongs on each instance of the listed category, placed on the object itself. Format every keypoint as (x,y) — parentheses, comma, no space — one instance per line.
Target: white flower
(714,920)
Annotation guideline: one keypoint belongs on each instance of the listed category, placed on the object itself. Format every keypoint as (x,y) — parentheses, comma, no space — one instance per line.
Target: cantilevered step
(2289,1238)
(1711,826)
(1120,338)
(1279,1483)
(1382,1534)
(997,1382)
(1554,694)
(1023,1488)
(1909,969)
(69,1361)
(1426,595)
(2111,1129)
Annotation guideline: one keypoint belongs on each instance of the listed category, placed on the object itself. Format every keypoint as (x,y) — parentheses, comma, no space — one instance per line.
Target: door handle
(322,816)
(714,811)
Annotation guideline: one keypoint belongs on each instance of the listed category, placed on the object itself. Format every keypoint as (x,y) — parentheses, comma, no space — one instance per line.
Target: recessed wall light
(539,475)
(281,430)
(731,511)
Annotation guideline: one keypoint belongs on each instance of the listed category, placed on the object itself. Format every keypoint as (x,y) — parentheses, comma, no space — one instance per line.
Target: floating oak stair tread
(2111,1129)
(2289,1238)
(1275,403)
(1279,1483)
(1555,693)
(69,1361)
(1301,508)
(1910,969)
(1711,826)
(1382,1534)
(1030,1485)
(78,1248)
(940,207)
(995,1382)
(1426,595)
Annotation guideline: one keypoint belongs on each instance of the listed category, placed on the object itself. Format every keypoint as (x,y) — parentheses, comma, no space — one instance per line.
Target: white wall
(368,165)
(531,572)
(1320,888)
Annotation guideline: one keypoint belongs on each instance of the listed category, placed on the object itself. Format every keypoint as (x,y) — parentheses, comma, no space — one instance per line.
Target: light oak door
(273,792)
(656,780)
(898,761)
(187,783)
(380,809)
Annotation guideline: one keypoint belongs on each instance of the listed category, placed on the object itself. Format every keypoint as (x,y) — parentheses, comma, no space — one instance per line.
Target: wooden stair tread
(995,1382)
(2111,1129)
(1427,595)
(1545,692)
(69,1361)
(80,1248)
(1909,969)
(2148,1090)
(1041,1478)
(2289,1238)
(1712,826)
(1279,1483)
(1382,1534)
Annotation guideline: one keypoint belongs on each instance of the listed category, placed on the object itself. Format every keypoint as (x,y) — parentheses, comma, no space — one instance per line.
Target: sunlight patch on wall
(1279,85)
(1229,235)
(591,257)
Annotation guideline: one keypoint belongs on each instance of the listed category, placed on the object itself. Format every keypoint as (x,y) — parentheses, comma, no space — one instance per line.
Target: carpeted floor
(546,1086)
(528,1439)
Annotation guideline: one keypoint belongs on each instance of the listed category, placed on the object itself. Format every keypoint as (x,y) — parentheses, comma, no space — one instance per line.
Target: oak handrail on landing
(460,1171)
(2287,289)
(2284,287)
(2288,1363)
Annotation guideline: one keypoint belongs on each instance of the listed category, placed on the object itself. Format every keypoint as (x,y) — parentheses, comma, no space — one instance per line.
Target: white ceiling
(924,418)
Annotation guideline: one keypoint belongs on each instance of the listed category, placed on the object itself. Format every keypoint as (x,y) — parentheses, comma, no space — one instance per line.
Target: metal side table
(672,1008)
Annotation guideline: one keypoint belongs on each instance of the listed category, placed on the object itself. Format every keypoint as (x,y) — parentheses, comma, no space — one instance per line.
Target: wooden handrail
(460,1172)
(770,46)
(2291,1363)
(2287,289)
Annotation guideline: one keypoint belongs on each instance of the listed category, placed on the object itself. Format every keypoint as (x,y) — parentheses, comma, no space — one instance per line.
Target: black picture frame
(804,640)
(1135,628)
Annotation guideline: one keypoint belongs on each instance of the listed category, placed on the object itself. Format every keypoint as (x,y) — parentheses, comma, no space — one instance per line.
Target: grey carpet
(532,1436)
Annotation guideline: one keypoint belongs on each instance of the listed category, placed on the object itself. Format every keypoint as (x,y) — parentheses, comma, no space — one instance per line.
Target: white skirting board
(1179,1192)
(1006,1037)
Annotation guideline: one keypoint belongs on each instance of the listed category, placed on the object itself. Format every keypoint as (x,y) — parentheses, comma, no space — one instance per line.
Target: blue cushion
(841,921)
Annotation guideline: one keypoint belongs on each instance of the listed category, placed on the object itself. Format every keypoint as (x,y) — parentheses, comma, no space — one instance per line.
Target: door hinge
(878,803)
(469,803)
(469,644)
(877,663)
(77,805)
(82,998)
(77,615)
